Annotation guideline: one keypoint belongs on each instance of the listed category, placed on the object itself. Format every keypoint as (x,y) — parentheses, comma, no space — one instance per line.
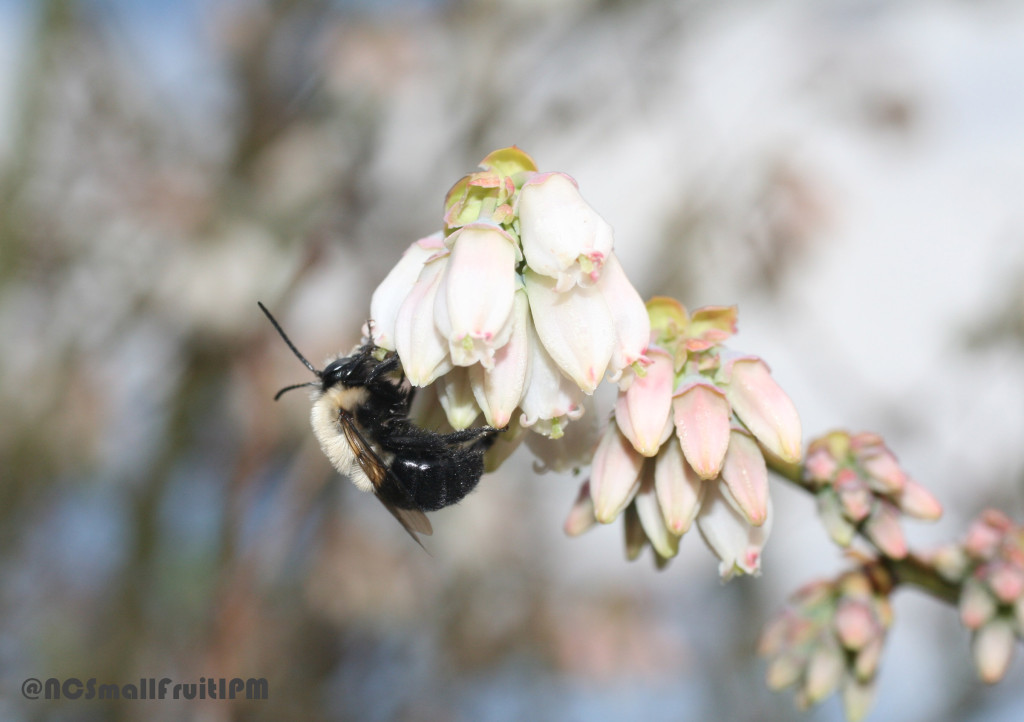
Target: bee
(360,416)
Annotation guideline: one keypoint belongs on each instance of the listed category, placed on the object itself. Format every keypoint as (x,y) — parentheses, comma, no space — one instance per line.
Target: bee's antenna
(295,351)
(280,393)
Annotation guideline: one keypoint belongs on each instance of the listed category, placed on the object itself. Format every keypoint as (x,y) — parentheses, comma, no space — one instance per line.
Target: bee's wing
(412,519)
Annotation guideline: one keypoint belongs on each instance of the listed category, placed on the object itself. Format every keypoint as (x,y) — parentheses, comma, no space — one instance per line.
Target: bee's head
(347,371)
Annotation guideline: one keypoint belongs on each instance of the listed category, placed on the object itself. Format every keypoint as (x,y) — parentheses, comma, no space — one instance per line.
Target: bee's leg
(478,434)
(384,367)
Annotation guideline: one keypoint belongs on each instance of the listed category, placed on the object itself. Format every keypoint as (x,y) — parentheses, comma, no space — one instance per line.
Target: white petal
(391,293)
(499,390)
(576,328)
(424,352)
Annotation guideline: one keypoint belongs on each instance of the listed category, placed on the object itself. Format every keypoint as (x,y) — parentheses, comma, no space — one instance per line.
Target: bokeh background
(850,173)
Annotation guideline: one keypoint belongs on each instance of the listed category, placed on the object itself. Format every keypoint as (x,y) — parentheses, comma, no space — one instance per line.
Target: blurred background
(851,174)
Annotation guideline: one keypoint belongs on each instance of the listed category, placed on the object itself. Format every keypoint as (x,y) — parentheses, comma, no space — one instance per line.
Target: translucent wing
(386,487)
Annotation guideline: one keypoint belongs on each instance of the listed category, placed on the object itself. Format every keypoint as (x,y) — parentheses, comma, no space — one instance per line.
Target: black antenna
(295,351)
(287,340)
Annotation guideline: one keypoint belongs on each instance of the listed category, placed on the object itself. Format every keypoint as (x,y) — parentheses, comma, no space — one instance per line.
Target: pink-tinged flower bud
(581,516)
(642,412)
(883,470)
(1006,582)
(950,561)
(833,517)
(992,648)
(474,304)
(783,671)
(664,542)
(576,328)
(456,396)
(854,495)
(820,466)
(391,293)
(918,502)
(629,315)
(551,399)
(977,607)
(855,624)
(865,665)
(746,475)
(764,407)
(701,414)
(824,672)
(985,533)
(883,529)
(678,488)
(615,475)
(498,390)
(858,698)
(423,350)
(728,534)
(563,237)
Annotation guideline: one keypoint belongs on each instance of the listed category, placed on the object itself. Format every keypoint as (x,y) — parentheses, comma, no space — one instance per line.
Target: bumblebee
(360,416)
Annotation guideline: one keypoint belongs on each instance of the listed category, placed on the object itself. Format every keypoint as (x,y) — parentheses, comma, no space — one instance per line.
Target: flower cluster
(688,442)
(860,486)
(518,303)
(989,565)
(830,636)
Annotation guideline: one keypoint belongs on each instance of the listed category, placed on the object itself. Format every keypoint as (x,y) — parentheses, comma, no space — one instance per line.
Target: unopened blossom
(615,475)
(422,348)
(991,572)
(830,638)
(522,290)
(563,237)
(473,307)
(499,389)
(577,328)
(730,535)
(860,486)
(763,406)
(704,463)
(394,289)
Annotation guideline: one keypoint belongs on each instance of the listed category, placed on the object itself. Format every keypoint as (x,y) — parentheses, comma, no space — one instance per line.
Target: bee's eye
(336,371)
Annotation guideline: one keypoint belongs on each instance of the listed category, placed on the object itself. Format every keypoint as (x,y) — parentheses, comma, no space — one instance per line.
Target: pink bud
(629,315)
(883,529)
(615,476)
(423,350)
(499,390)
(581,516)
(576,328)
(977,606)
(664,542)
(854,495)
(642,412)
(918,502)
(855,624)
(728,534)
(783,671)
(389,296)
(833,517)
(746,476)
(820,466)
(763,407)
(986,533)
(824,672)
(1006,581)
(678,488)
(884,471)
(865,664)
(992,647)
(474,306)
(563,237)
(701,414)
